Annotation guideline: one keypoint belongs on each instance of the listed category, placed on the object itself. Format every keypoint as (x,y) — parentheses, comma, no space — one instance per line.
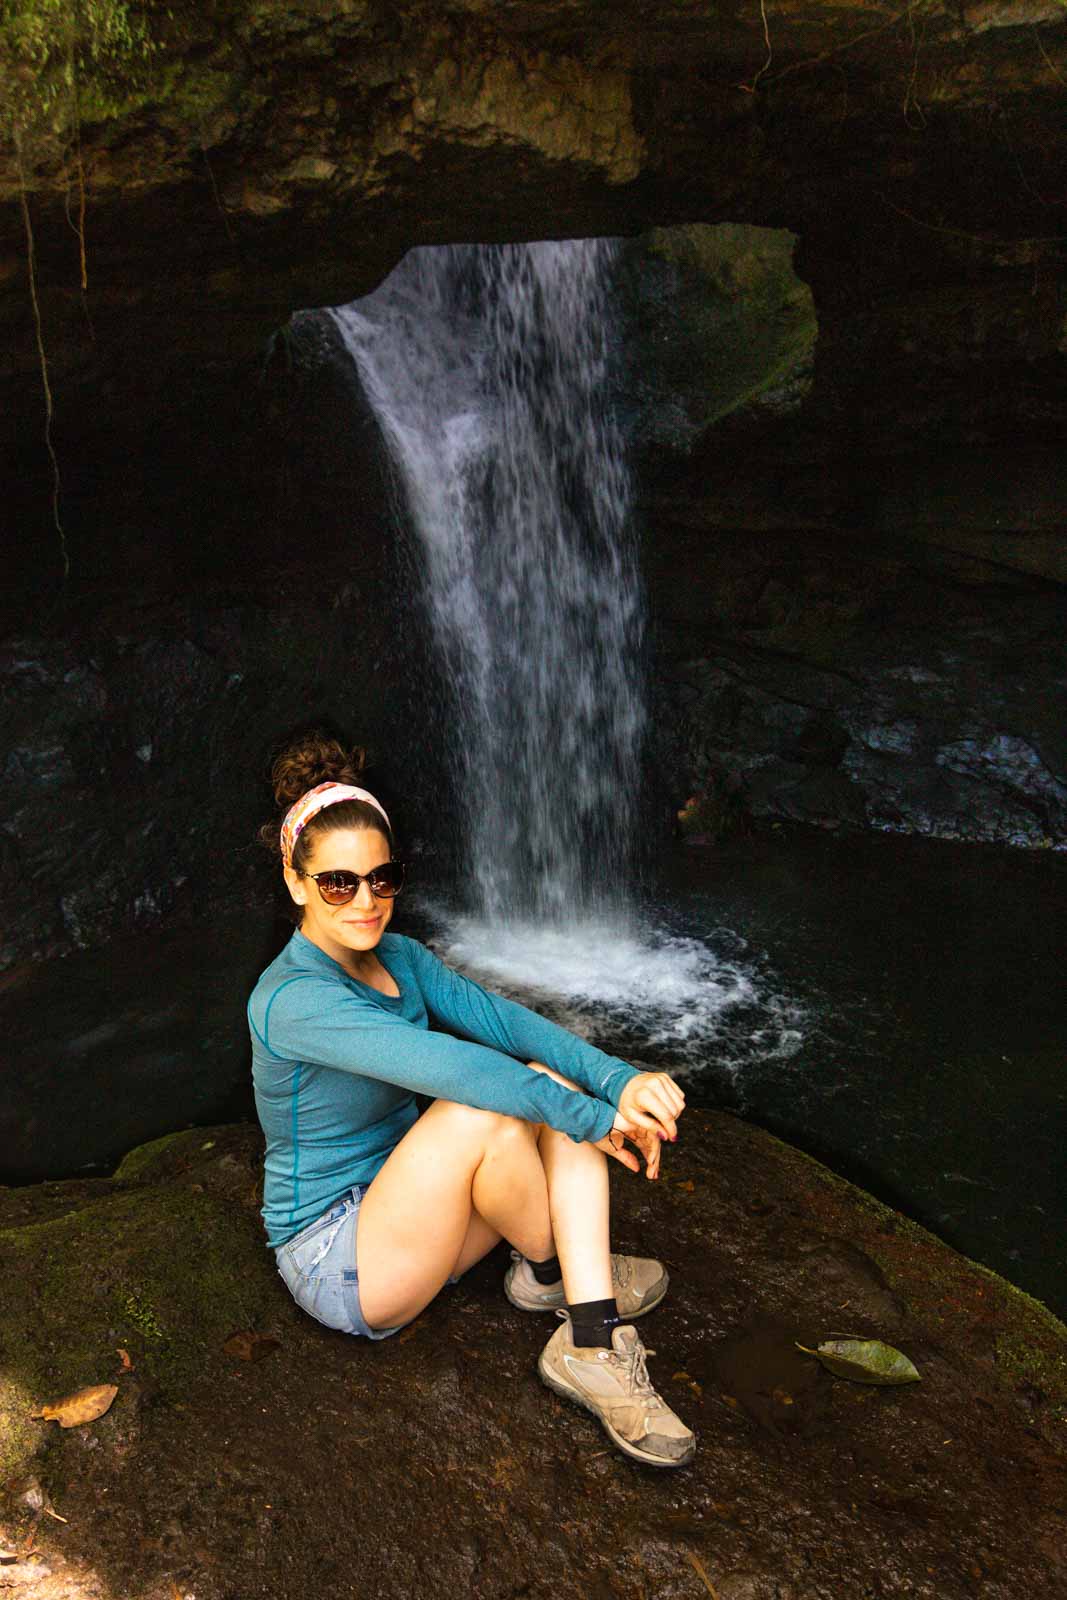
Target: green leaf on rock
(864,1361)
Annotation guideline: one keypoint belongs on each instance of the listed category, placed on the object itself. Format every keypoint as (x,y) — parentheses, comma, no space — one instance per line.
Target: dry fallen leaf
(249,1346)
(84,1406)
(124,1357)
(687,1184)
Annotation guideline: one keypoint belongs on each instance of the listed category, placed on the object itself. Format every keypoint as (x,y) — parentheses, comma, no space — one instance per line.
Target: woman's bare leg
(460,1180)
(579,1206)
(456,1179)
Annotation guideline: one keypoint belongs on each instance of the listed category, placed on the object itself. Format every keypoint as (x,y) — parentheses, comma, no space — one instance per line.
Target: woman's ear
(296,885)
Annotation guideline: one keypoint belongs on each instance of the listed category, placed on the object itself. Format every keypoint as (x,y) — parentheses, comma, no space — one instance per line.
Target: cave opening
(823,658)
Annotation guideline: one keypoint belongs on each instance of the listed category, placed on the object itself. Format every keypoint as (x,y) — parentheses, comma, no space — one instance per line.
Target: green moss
(138,1311)
(162,1271)
(721,319)
(66,61)
(139,1163)
(945,1286)
(194,94)
(19,1437)
(1027,1362)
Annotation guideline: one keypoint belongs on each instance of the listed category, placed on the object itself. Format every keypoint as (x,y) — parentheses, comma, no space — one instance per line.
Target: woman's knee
(487,1127)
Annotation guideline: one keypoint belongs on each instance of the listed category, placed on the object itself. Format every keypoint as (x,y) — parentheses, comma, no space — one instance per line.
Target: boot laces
(638,1382)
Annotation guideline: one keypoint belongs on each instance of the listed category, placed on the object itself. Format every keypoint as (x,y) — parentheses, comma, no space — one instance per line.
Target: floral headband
(301,812)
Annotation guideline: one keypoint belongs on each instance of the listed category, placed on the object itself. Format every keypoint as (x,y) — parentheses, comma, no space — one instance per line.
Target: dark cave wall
(248,581)
(854,574)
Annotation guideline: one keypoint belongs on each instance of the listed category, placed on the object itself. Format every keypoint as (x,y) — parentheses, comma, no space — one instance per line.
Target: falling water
(487,367)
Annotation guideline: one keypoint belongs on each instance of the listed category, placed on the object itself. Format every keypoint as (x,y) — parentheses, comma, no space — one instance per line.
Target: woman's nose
(365,897)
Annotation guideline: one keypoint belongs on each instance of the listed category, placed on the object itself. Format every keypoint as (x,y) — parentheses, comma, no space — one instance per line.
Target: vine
(31,262)
(60,61)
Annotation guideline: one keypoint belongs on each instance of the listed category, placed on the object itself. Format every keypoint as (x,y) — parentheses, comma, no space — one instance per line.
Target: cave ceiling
(284,155)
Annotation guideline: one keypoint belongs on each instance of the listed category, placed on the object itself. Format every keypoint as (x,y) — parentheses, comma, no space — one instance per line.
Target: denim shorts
(318,1266)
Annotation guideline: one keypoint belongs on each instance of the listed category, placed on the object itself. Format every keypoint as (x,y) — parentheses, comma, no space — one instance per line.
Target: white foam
(664,994)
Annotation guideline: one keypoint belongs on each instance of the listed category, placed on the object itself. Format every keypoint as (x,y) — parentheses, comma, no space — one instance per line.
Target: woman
(370,1208)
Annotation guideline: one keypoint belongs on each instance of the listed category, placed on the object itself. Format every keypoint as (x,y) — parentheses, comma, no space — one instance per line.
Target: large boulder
(444,1464)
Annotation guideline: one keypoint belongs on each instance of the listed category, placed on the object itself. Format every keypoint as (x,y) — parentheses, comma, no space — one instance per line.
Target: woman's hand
(652,1101)
(649,1144)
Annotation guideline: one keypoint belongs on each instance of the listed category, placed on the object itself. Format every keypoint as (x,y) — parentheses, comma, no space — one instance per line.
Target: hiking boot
(614,1385)
(639,1285)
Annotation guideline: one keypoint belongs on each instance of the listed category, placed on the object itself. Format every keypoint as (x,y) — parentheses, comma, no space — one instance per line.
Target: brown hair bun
(313,759)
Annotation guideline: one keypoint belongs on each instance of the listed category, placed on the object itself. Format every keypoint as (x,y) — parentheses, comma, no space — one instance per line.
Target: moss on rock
(155,1158)
(717,320)
(163,1270)
(948,1289)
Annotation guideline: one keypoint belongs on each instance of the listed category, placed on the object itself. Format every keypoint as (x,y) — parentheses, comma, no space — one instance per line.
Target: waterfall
(486,367)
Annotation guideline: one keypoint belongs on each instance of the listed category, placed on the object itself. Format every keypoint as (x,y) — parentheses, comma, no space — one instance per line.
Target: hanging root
(77,225)
(31,261)
(80,228)
(750,88)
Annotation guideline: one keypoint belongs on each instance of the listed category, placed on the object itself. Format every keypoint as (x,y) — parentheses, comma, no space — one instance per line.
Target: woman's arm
(647,1141)
(465,1007)
(317,1020)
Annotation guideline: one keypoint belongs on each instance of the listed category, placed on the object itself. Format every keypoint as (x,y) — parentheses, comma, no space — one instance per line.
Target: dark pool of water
(920,984)
(933,1065)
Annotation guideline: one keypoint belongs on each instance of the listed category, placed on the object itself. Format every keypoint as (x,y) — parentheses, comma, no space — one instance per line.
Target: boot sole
(631,1316)
(576,1398)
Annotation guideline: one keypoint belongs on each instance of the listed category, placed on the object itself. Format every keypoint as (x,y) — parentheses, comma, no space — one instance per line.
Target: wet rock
(137,752)
(448,1465)
(761,1370)
(754,1585)
(834,1267)
(883,696)
(713,318)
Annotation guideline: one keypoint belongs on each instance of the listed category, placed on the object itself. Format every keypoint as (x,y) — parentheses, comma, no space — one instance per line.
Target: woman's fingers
(651,1112)
(653,1100)
(612,1145)
(650,1145)
(667,1093)
(646,1140)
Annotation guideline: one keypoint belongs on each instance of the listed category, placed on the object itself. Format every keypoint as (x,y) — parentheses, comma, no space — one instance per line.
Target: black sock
(546,1272)
(592,1323)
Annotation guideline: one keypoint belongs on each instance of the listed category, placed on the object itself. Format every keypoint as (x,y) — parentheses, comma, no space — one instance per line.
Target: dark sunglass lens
(387,880)
(338,887)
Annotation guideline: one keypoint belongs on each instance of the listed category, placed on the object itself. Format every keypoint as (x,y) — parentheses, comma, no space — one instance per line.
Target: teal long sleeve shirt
(336,1066)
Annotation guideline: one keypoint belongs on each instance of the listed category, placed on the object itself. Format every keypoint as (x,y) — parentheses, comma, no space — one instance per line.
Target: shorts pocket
(310,1249)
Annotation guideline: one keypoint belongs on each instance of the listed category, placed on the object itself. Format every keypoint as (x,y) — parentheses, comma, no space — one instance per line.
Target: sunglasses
(338,888)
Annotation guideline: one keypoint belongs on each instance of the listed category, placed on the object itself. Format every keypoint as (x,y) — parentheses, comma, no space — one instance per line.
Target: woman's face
(358,926)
